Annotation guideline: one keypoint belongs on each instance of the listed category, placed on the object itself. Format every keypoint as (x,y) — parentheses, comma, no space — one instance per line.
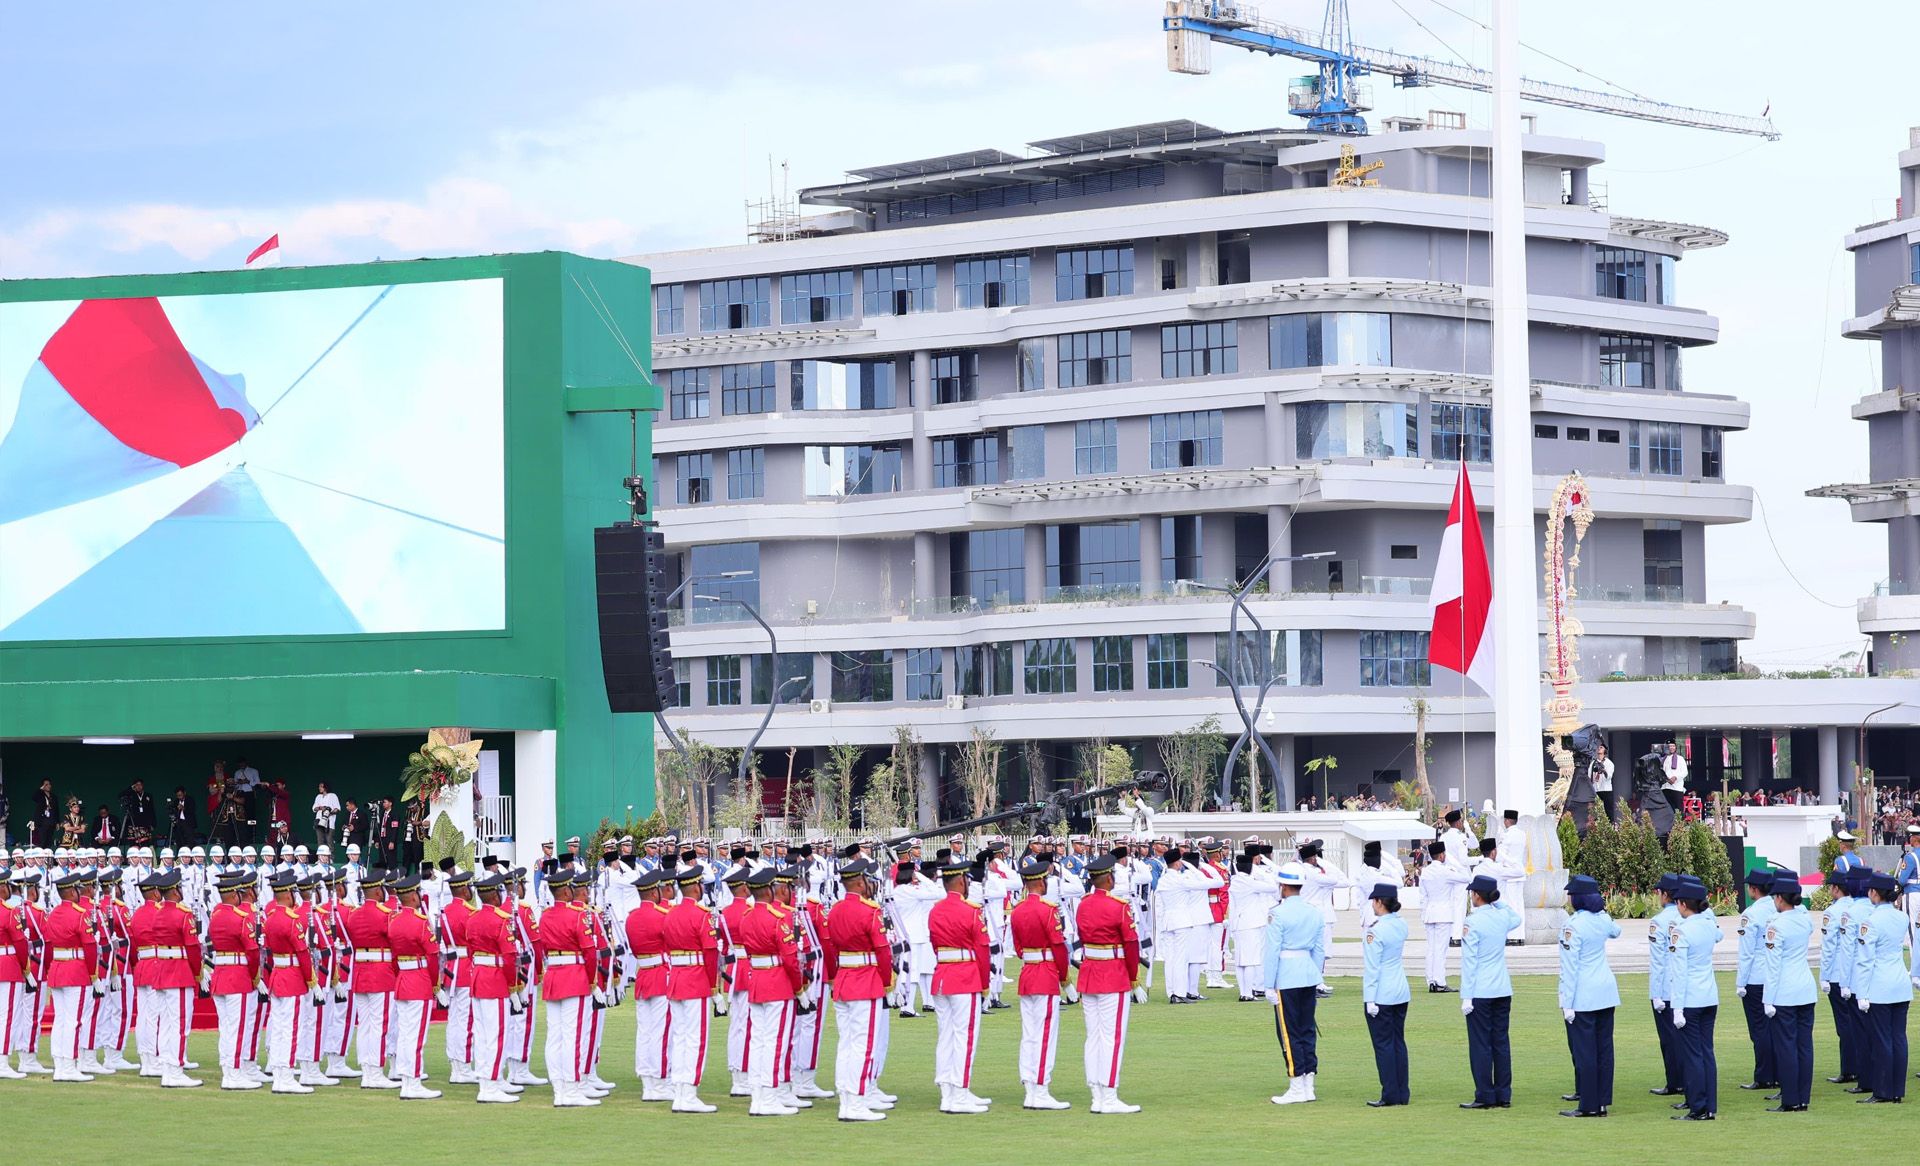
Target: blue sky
(153,138)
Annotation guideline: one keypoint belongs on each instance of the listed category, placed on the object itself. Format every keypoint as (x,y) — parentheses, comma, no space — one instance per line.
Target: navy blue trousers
(1669,1049)
(1293,1024)
(1790,1032)
(1760,1032)
(1846,1031)
(1701,1068)
(1883,1060)
(1488,1051)
(1389,1033)
(1590,1040)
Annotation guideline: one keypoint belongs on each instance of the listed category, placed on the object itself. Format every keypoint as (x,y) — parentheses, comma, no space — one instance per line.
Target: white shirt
(326,808)
(1183,896)
(246,778)
(1320,884)
(1600,773)
(1251,896)
(1676,770)
(1440,884)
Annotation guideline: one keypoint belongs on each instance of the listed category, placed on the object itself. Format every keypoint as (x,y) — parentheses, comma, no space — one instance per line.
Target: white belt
(1103,953)
(372,955)
(649,961)
(765,962)
(69,953)
(456,953)
(858,959)
(286,961)
(487,959)
(1036,955)
(953,955)
(737,952)
(162,953)
(686,959)
(564,959)
(1301,952)
(223,959)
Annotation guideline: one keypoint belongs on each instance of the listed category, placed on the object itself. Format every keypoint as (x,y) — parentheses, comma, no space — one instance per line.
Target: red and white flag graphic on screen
(1462,596)
(266,254)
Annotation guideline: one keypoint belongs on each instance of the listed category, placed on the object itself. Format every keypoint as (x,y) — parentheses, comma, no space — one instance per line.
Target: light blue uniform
(1880,976)
(1483,952)
(1586,982)
(1690,979)
(1657,938)
(1295,945)
(1788,979)
(1846,861)
(1750,965)
(1384,978)
(1836,944)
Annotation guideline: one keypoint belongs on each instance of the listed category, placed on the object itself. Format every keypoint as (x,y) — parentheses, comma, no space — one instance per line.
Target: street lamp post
(1863,806)
(773,700)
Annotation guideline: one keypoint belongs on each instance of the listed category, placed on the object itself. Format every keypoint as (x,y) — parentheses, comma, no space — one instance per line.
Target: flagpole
(1519,762)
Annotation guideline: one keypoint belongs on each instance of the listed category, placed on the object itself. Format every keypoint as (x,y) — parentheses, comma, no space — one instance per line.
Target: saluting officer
(1486,994)
(1589,997)
(1883,992)
(1695,996)
(1673,1078)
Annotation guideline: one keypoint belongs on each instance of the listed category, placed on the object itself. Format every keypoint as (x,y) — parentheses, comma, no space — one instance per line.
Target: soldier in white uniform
(1319,880)
(1186,922)
(1441,880)
(1463,850)
(1252,894)
(1507,863)
(913,900)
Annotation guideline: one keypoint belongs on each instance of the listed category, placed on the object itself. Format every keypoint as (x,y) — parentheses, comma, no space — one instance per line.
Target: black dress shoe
(1569,1097)
(1786,1109)
(1503,1105)
(1516,943)
(1843,1079)
(1693,1117)
(1760,1085)
(1679,1105)
(1667,1092)
(1477,1105)
(1771,1097)
(1441,989)
(1583,1113)
(1176,999)
(1378,1104)
(1878,1101)
(1453,943)
(1192,996)
(1857,1089)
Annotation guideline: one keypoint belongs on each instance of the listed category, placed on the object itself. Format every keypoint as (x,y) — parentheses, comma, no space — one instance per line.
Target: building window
(1371,429)
(693,474)
(1626,362)
(1096,446)
(898,290)
(1198,350)
(1393,660)
(1184,440)
(726,571)
(1113,663)
(1315,339)
(1460,433)
(988,566)
(1095,358)
(1609,437)
(835,384)
(837,470)
(746,474)
(746,388)
(1663,448)
(723,680)
(1403,551)
(863,677)
(923,674)
(1620,274)
(1710,438)
(983,670)
(1179,548)
(669,309)
(1633,447)
(966,460)
(687,393)
(1167,661)
(1913,255)
(1579,434)
(1665,561)
(1264,657)
(954,376)
(1718,657)
(1050,667)
(735,303)
(1026,452)
(1546,431)
(1672,352)
(1030,358)
(793,679)
(816,297)
(682,684)
(1094,272)
(990,281)
(1025,193)
(1102,557)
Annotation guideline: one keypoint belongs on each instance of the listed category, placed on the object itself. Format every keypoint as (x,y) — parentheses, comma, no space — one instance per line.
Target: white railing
(493,818)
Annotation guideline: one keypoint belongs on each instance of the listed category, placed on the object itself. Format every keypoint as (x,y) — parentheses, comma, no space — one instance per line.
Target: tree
(1710,862)
(1680,850)
(833,788)
(1599,854)
(906,758)
(980,771)
(684,786)
(1641,865)
(1421,746)
(1569,838)
(1324,766)
(741,807)
(1033,757)
(1188,757)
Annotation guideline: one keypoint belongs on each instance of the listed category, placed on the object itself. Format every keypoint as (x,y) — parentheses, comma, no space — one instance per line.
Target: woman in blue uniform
(1589,997)
(1383,989)
(1789,993)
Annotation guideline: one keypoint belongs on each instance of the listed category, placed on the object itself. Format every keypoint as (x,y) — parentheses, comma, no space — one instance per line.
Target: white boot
(1295,1094)
(149,1067)
(1040,1097)
(568,1095)
(174,1077)
(230,1079)
(310,1074)
(375,1078)
(462,1074)
(739,1087)
(510,1087)
(31,1066)
(852,1108)
(337,1067)
(1311,1096)
(253,1072)
(412,1090)
(954,1099)
(971,1098)
(804,1085)
(493,1094)
(686,1099)
(117,1061)
(764,1104)
(1107,1100)
(9,1073)
(67,1069)
(599,1084)
(787,1097)
(90,1063)
(878,1098)
(520,1073)
(654,1089)
(284,1081)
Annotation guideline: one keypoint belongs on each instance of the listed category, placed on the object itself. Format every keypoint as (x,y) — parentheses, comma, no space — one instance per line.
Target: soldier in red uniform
(456,976)
(372,978)
(773,981)
(521,1025)
(647,954)
(693,974)
(416,969)
(1109,979)
(16,970)
(338,1016)
(859,960)
(71,955)
(1040,940)
(25,1035)
(233,976)
(733,977)
(289,980)
(166,967)
(306,1040)
(605,985)
(1217,902)
(957,929)
(810,928)
(568,989)
(496,988)
(111,1011)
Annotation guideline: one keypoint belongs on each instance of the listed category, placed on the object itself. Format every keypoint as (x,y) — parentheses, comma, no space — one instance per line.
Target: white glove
(1566,1014)
(100,989)
(1862,1002)
(1770,1011)
(441,998)
(1273,997)
(1741,991)
(600,997)
(318,996)
(1824,987)
(1140,995)
(1659,1005)
(1466,1008)
(1846,993)
(1373,1009)
(340,993)
(1679,1018)
(721,1003)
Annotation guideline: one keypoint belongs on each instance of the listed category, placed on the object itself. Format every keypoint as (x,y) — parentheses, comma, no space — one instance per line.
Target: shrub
(1599,852)
(1829,850)
(1641,857)
(1569,841)
(1680,850)
(609,829)
(1710,863)
(1724,902)
(1633,906)
(1820,900)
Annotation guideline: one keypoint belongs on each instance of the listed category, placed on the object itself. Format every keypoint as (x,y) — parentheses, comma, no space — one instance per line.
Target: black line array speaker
(629,575)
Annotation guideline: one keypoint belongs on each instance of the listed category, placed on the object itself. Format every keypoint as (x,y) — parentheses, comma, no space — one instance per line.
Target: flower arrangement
(438,767)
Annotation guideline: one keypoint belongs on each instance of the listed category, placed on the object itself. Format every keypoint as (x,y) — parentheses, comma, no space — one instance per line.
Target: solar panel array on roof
(1151,134)
(938,165)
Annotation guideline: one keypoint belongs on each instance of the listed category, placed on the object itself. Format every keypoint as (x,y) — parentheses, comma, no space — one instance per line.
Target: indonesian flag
(266,254)
(1462,595)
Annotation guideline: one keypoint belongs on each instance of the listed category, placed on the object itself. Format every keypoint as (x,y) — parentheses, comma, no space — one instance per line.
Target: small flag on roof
(266,254)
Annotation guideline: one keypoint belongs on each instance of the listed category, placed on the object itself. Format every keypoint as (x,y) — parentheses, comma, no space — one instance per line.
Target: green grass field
(1203,1075)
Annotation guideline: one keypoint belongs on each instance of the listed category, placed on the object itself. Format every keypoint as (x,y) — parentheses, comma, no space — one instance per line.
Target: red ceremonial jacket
(955,925)
(13,948)
(367,932)
(453,924)
(767,934)
(528,936)
(171,927)
(71,948)
(1107,922)
(647,943)
(230,933)
(1036,927)
(285,933)
(1217,896)
(490,933)
(732,918)
(690,930)
(854,927)
(569,952)
(412,940)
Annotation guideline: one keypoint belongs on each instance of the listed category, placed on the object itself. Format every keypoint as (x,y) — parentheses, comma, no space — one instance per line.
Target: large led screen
(297,463)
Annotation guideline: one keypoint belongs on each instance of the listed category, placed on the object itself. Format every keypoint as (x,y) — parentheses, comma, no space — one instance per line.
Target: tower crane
(1334,101)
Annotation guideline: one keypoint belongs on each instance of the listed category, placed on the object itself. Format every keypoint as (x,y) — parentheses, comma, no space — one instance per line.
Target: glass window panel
(723,680)
(1663,448)
(1198,350)
(1332,429)
(835,384)
(971,459)
(794,678)
(1095,358)
(1315,339)
(954,376)
(1050,667)
(1396,659)
(1026,452)
(1167,661)
(816,297)
(990,281)
(669,309)
(988,566)
(1626,362)
(923,674)
(1113,664)
(1096,446)
(1030,359)
(1100,556)
(836,470)
(693,478)
(1183,440)
(723,571)
(746,388)
(1092,273)
(898,290)
(735,303)
(746,474)
(687,393)
(862,677)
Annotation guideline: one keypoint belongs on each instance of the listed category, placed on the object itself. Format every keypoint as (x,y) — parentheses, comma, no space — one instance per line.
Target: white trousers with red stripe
(374,1032)
(1216,948)
(144,1033)
(860,1028)
(1039,1038)
(168,1014)
(239,1017)
(489,1019)
(336,1025)
(20,1010)
(769,1036)
(738,1019)
(569,1027)
(288,1018)
(310,1047)
(653,1031)
(807,1029)
(957,1040)
(520,1031)
(687,1022)
(460,1026)
(71,1006)
(411,1020)
(111,1015)
(1106,1017)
